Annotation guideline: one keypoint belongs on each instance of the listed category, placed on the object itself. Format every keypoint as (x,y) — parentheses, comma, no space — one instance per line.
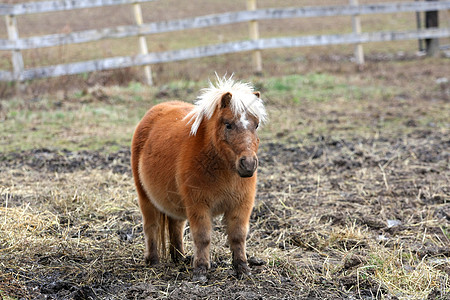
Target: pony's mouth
(245,174)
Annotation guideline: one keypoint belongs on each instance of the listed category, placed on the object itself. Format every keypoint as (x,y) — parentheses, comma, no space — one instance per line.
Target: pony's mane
(243,100)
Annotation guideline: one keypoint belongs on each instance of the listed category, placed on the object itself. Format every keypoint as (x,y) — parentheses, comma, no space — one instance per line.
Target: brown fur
(182,177)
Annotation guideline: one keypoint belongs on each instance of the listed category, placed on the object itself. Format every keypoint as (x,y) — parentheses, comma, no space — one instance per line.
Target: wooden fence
(252,15)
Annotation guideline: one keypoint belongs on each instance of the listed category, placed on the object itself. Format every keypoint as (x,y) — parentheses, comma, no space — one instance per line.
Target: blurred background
(275,61)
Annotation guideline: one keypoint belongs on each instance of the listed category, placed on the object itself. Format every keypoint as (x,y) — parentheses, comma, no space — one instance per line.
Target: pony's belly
(167,202)
(163,195)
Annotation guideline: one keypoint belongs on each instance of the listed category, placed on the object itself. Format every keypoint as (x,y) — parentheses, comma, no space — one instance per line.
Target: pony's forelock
(243,100)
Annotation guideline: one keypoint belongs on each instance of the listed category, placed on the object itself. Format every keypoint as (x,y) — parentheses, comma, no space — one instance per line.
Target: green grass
(99,118)
(320,87)
(82,123)
(105,117)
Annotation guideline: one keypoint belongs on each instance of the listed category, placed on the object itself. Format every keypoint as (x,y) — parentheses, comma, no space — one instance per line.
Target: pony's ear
(226,98)
(257,94)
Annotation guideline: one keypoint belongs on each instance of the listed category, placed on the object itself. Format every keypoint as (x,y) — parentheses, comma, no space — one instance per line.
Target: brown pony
(195,162)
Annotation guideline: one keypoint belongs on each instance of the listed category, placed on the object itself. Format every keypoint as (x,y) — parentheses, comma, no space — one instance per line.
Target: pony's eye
(228,126)
(257,125)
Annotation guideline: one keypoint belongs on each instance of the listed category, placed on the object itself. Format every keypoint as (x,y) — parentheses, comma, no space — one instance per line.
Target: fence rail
(61,5)
(214,20)
(227,48)
(18,44)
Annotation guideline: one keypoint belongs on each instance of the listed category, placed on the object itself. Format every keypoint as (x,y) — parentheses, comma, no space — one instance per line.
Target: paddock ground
(352,203)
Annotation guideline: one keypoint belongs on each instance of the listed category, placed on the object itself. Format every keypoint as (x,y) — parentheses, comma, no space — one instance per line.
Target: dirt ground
(352,203)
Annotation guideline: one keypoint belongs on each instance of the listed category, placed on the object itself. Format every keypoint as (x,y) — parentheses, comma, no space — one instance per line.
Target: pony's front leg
(200,224)
(237,224)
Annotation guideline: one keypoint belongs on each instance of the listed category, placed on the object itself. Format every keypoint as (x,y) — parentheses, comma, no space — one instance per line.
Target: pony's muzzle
(247,166)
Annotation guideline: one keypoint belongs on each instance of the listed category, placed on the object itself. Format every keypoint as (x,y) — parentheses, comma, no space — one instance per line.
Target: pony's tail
(162,234)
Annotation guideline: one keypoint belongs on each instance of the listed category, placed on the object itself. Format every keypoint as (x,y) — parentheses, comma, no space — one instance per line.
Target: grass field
(353,197)
(353,184)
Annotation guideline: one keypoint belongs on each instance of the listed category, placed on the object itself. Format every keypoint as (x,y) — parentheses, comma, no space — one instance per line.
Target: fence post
(356,24)
(142,42)
(419,26)
(432,21)
(254,35)
(13,35)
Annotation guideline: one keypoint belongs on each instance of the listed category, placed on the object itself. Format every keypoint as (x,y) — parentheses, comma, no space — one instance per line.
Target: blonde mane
(243,100)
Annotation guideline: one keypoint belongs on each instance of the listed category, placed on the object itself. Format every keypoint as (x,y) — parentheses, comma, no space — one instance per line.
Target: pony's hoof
(200,275)
(242,271)
(151,260)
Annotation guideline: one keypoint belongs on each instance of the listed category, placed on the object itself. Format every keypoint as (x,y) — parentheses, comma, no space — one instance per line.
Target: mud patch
(63,161)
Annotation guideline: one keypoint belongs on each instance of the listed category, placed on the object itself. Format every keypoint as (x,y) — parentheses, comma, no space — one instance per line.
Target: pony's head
(232,112)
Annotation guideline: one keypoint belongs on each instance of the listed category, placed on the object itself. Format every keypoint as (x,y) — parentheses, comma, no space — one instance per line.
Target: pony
(194,162)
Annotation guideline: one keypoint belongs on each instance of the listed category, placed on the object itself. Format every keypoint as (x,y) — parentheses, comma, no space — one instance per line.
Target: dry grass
(71,226)
(403,274)
(82,228)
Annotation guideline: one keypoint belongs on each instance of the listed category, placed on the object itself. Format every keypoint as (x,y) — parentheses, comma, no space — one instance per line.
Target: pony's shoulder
(172,106)
(177,109)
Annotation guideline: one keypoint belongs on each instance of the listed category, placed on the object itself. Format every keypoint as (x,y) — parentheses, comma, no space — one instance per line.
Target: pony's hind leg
(176,228)
(151,226)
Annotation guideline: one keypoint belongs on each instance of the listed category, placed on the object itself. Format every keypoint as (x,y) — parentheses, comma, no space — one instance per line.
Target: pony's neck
(210,159)
(213,163)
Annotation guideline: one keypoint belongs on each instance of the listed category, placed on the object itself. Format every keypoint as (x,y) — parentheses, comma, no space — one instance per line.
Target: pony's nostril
(248,163)
(242,163)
